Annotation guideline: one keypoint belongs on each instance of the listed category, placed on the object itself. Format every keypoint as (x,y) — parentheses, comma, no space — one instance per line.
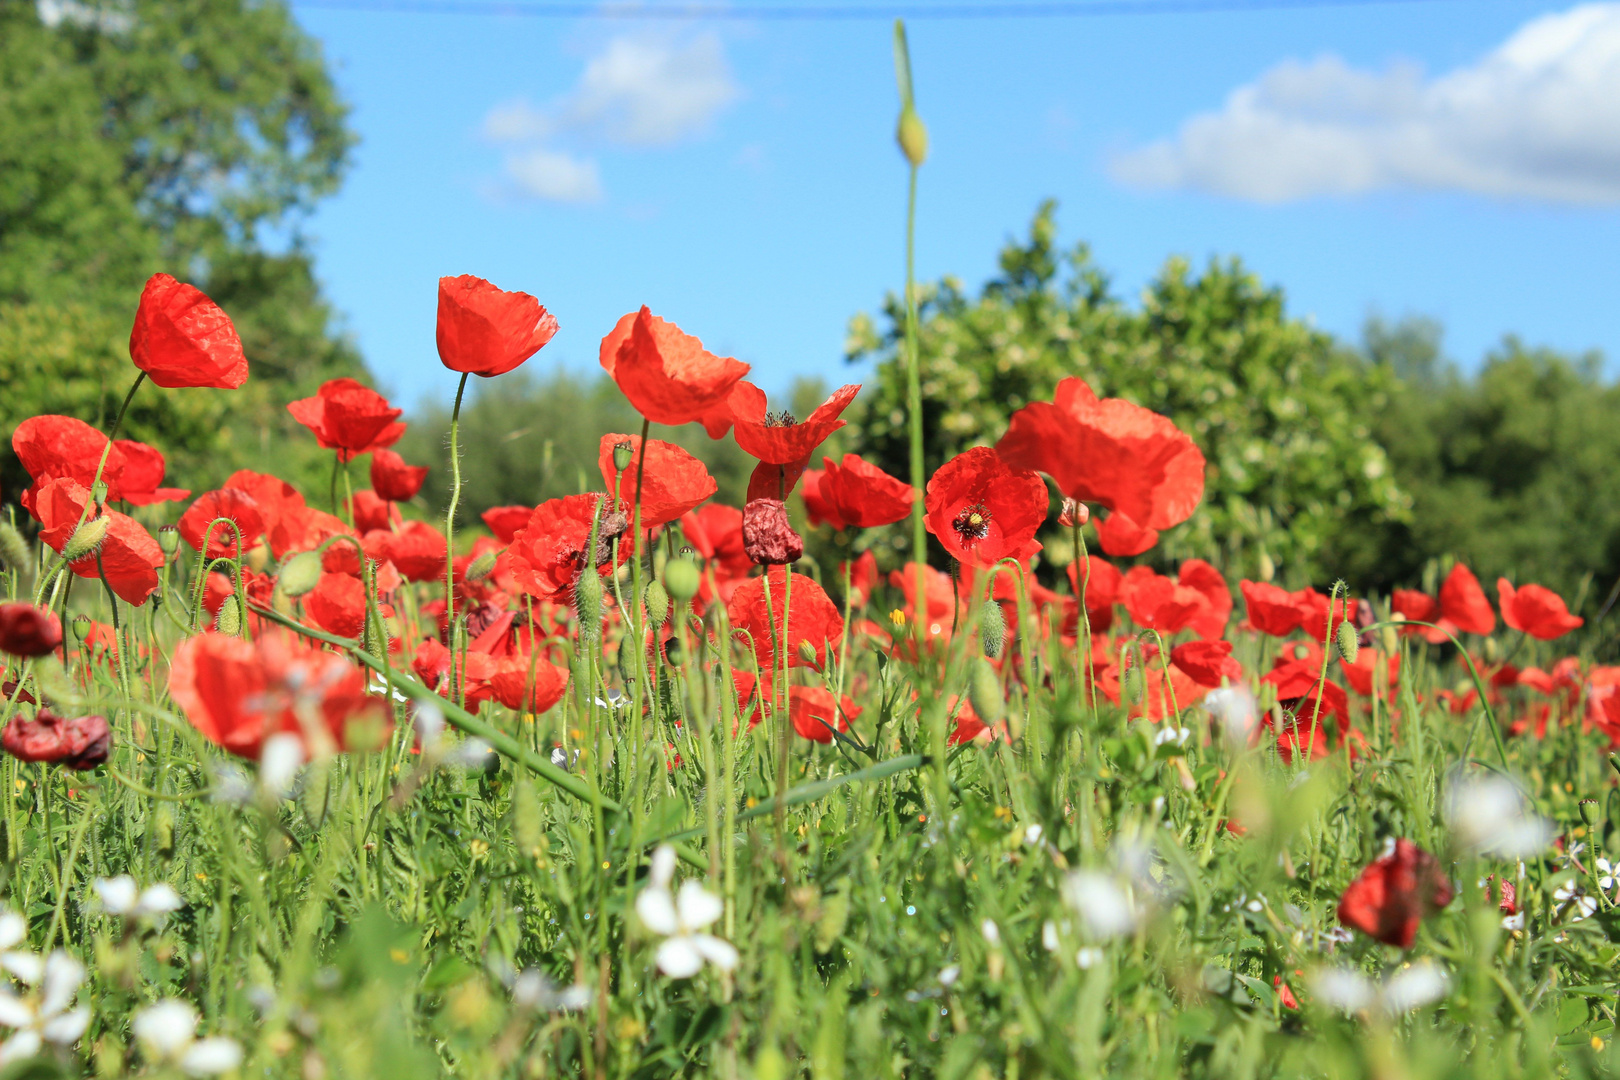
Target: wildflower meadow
(336,783)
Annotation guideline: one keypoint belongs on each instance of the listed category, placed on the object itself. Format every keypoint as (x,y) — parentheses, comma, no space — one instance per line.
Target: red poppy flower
(862,495)
(1393,894)
(815,712)
(1200,575)
(1315,610)
(338,605)
(1130,459)
(1207,663)
(79,742)
(372,513)
(811,618)
(1163,694)
(394,480)
(349,417)
(56,446)
(511,677)
(417,550)
(1297,684)
(1360,674)
(141,482)
(548,554)
(860,576)
(768,537)
(230,503)
(769,481)
(505,521)
(26,630)
(1415,606)
(939,601)
(1271,609)
(982,511)
(715,531)
(673,481)
(487,331)
(128,554)
(1121,537)
(273,495)
(304,529)
(968,724)
(1463,603)
(1155,602)
(777,438)
(816,507)
(1536,610)
(182,338)
(669,377)
(220,587)
(238,693)
(1101,588)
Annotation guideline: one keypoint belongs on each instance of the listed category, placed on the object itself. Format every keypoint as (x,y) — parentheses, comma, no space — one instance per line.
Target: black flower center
(972,524)
(780,419)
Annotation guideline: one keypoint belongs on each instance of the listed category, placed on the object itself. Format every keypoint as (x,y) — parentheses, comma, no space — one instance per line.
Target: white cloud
(638,92)
(1537,118)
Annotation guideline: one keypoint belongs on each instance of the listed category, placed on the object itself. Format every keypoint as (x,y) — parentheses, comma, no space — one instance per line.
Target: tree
(1282,412)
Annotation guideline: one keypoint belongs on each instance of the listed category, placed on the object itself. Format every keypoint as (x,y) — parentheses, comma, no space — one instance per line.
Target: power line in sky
(1012,9)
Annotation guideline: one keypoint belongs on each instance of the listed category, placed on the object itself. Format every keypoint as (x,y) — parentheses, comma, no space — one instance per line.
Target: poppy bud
(481,567)
(26,630)
(1589,811)
(674,652)
(81,627)
(168,540)
(992,629)
(912,136)
(807,653)
(588,603)
(984,692)
(1074,514)
(228,620)
(300,574)
(99,492)
(768,537)
(14,554)
(1349,645)
(1268,569)
(621,455)
(656,601)
(1132,683)
(627,661)
(681,579)
(85,539)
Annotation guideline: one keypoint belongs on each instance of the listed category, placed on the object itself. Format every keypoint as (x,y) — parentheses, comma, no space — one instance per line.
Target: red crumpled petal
(182,338)
(669,377)
(673,481)
(486,330)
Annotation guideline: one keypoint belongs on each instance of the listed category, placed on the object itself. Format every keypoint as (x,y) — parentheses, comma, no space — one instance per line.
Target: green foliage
(1280,410)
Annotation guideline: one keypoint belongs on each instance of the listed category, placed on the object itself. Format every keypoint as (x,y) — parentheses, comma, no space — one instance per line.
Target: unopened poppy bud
(588,603)
(1349,644)
(81,627)
(1268,569)
(481,567)
(1589,811)
(912,136)
(300,574)
(621,455)
(168,540)
(14,553)
(656,601)
(807,653)
(228,620)
(984,692)
(992,629)
(1074,514)
(627,661)
(681,579)
(85,539)
(1133,684)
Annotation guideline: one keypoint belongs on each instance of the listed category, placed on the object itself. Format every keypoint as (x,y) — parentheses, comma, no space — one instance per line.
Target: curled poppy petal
(349,417)
(1156,602)
(338,605)
(816,506)
(548,553)
(982,511)
(1200,575)
(418,551)
(815,713)
(669,377)
(778,438)
(1536,610)
(545,686)
(505,521)
(672,481)
(50,447)
(1121,537)
(1463,602)
(1271,608)
(79,742)
(274,497)
(182,338)
(863,495)
(1207,663)
(394,480)
(141,482)
(487,331)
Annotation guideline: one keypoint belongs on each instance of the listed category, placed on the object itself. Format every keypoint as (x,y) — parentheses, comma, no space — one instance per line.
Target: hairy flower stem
(450,515)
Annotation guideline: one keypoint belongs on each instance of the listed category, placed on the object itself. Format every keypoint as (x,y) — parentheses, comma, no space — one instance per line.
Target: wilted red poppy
(349,417)
(128,554)
(1536,610)
(240,508)
(860,576)
(1102,586)
(669,377)
(26,630)
(238,693)
(505,521)
(1130,459)
(394,480)
(814,712)
(417,550)
(548,554)
(1200,575)
(141,483)
(982,511)
(373,513)
(673,481)
(1122,537)
(777,438)
(1463,603)
(182,338)
(1271,609)
(337,605)
(487,331)
(509,678)
(78,742)
(1155,602)
(768,537)
(1393,894)
(1207,663)
(62,446)
(862,495)
(812,618)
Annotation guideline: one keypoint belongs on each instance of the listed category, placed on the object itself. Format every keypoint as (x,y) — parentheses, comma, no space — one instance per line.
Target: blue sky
(740,176)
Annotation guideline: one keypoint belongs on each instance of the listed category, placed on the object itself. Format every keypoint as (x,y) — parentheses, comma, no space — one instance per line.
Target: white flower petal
(662,871)
(117,894)
(991,932)
(696,906)
(13,929)
(679,958)
(1101,903)
(1343,989)
(25,965)
(159,899)
(15,1012)
(1049,935)
(63,975)
(67,1029)
(718,951)
(657,911)
(279,762)
(166,1028)
(1491,814)
(210,1057)
(1414,986)
(24,1044)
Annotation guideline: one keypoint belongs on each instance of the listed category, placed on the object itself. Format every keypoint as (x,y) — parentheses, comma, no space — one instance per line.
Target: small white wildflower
(1404,990)
(949,975)
(1033,834)
(991,932)
(44,1016)
(167,1032)
(680,918)
(533,989)
(1172,734)
(1606,875)
(1104,907)
(1343,989)
(1049,936)
(1491,815)
(120,896)
(428,720)
(1514,921)
(1233,710)
(1088,957)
